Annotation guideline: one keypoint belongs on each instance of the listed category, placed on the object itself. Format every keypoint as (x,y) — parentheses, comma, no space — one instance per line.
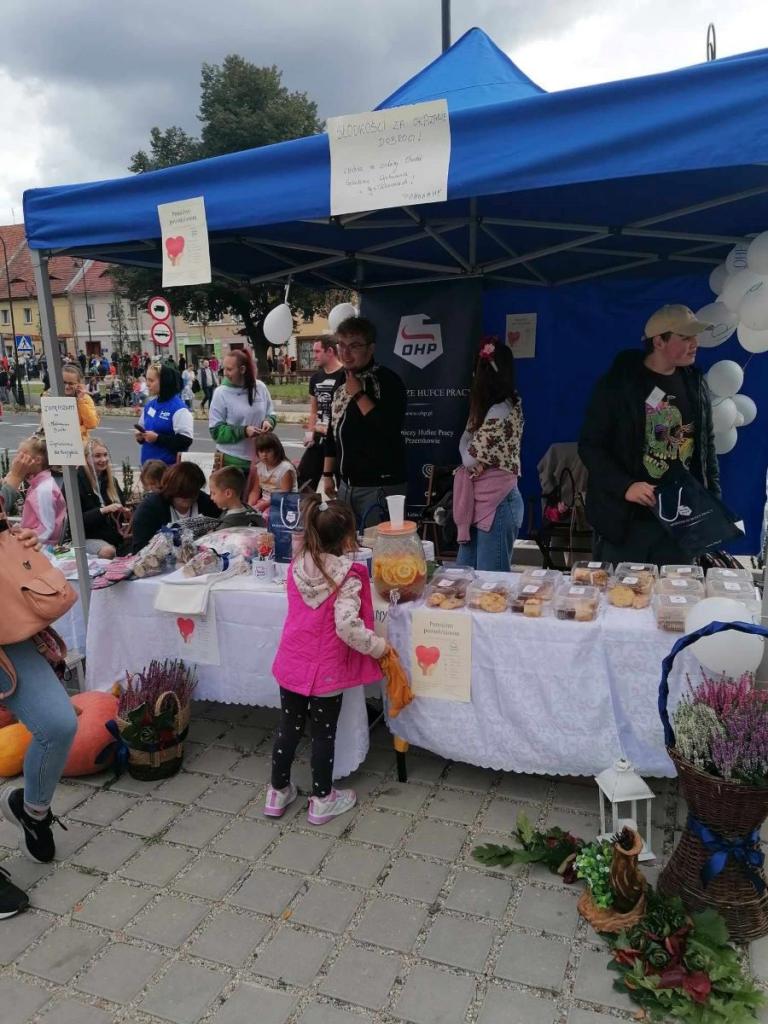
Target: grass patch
(289,391)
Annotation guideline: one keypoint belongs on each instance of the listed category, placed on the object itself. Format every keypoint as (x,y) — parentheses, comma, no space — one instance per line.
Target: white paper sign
(197,639)
(521,334)
(62,431)
(184,231)
(394,157)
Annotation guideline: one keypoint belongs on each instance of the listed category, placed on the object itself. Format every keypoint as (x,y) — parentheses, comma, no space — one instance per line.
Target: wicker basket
(730,809)
(149,765)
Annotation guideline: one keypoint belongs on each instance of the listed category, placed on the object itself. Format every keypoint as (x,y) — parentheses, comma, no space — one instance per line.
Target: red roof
(65,272)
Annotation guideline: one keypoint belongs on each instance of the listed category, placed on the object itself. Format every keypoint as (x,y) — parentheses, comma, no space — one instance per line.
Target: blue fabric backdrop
(581,327)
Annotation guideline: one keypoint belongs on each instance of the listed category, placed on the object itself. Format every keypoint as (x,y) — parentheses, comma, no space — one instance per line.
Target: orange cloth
(399,692)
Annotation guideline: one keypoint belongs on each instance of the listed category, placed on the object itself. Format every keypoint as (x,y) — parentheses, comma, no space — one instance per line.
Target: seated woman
(45,510)
(102,502)
(180,497)
(271,472)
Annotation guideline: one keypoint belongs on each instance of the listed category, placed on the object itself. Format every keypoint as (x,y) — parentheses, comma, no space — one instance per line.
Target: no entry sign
(159,308)
(161,334)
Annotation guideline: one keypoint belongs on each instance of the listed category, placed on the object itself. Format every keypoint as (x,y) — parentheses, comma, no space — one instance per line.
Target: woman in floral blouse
(487,505)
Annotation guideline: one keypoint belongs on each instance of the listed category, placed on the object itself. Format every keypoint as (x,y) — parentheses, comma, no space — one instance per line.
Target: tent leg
(53,355)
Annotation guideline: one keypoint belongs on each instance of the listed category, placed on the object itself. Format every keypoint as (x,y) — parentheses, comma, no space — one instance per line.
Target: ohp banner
(428,334)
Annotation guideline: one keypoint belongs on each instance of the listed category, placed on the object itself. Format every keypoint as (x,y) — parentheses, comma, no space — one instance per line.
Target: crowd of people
(650,411)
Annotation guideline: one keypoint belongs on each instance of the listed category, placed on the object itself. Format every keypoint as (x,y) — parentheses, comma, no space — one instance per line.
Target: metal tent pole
(445,24)
(71,489)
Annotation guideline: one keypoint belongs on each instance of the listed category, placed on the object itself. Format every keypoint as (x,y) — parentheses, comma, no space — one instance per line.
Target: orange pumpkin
(93,710)
(14,740)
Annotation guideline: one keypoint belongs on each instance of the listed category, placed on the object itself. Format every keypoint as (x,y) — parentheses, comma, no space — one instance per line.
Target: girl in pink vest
(328,645)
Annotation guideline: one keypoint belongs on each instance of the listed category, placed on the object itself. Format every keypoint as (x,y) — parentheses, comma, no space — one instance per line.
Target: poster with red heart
(184,234)
(196,637)
(521,334)
(441,654)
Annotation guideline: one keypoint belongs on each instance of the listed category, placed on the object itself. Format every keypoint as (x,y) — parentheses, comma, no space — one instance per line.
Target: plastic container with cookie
(737,590)
(671,610)
(488,596)
(448,589)
(630,590)
(532,600)
(549,580)
(687,572)
(577,603)
(591,574)
(680,585)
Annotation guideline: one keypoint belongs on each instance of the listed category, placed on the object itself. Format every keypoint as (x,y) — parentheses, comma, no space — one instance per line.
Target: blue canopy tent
(642,180)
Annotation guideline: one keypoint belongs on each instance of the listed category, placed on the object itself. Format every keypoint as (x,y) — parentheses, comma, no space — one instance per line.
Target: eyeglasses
(352,346)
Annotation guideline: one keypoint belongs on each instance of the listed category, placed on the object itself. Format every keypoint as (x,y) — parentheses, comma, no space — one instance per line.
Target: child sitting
(330,613)
(151,475)
(225,486)
(271,471)
(45,510)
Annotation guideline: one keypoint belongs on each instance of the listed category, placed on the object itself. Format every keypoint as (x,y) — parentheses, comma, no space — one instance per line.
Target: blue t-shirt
(159,416)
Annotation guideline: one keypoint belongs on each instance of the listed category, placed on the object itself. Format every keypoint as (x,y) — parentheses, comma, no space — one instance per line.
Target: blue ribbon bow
(118,749)
(745,850)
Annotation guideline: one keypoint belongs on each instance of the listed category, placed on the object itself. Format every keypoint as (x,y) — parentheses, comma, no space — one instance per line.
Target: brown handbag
(34,593)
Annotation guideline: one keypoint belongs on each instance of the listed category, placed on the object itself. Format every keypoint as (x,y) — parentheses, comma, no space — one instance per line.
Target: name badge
(654,399)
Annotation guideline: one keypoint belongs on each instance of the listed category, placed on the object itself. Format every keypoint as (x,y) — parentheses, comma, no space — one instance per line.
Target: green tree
(242,106)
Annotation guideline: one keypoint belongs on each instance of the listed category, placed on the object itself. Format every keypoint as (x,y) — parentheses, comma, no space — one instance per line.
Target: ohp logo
(418,342)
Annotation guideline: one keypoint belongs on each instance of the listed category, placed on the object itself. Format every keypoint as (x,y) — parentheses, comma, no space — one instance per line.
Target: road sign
(159,308)
(161,334)
(24,344)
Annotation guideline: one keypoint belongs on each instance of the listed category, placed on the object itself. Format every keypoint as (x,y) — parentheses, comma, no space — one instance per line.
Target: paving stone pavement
(178,902)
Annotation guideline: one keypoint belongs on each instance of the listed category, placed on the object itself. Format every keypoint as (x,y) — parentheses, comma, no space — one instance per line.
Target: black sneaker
(12,899)
(38,837)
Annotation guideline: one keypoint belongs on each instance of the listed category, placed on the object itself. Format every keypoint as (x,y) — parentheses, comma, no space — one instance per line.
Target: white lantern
(620,785)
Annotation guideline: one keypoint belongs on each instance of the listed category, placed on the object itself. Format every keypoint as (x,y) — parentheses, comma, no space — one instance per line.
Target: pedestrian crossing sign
(24,344)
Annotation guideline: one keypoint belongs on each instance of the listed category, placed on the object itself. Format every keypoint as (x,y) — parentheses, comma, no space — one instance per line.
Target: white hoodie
(314,589)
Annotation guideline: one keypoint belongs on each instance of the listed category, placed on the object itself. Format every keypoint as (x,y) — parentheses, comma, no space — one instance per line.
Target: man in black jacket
(365,442)
(650,411)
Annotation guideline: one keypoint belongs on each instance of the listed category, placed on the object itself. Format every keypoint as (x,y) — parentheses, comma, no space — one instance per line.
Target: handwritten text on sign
(186,254)
(62,431)
(390,157)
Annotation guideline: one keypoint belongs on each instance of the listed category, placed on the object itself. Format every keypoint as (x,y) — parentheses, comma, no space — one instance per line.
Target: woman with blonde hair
(45,510)
(102,502)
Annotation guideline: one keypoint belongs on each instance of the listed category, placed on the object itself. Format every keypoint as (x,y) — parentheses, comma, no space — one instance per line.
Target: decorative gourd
(14,740)
(6,718)
(94,709)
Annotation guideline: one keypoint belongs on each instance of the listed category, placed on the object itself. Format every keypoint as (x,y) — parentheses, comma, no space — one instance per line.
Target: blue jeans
(40,702)
(492,550)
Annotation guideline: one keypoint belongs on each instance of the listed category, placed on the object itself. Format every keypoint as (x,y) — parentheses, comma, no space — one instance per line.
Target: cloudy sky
(82,83)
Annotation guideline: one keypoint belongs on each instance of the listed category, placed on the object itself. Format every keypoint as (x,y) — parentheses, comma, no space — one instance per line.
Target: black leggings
(324,717)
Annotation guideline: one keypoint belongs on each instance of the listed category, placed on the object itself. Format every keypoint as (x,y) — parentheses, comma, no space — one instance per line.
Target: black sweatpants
(324,717)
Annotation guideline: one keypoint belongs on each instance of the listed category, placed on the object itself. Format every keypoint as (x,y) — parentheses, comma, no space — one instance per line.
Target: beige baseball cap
(675,319)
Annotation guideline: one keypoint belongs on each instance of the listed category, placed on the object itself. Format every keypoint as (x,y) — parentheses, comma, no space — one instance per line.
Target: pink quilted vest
(311,659)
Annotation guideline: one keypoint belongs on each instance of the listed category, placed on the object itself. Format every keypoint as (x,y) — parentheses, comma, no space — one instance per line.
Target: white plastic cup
(429,550)
(264,571)
(396,506)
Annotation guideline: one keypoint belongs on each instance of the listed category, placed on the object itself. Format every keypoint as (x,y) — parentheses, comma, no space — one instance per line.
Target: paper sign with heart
(174,247)
(427,658)
(186,628)
(512,337)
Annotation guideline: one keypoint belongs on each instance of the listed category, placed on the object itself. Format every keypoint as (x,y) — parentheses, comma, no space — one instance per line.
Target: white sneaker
(338,801)
(278,800)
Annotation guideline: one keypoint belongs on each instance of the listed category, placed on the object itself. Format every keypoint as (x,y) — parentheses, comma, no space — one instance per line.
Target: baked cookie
(621,596)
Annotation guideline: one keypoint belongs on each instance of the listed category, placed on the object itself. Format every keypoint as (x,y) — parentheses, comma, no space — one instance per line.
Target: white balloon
(726,441)
(746,408)
(278,324)
(752,341)
(718,277)
(757,254)
(736,287)
(724,413)
(339,313)
(725,378)
(728,652)
(739,420)
(723,323)
(737,258)
(753,308)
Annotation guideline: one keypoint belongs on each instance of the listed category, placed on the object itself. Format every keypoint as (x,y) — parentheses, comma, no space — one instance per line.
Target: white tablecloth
(550,696)
(71,627)
(125,632)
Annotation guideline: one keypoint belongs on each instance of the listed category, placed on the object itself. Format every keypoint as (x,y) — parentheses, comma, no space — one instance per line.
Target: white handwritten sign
(62,431)
(385,158)
(184,230)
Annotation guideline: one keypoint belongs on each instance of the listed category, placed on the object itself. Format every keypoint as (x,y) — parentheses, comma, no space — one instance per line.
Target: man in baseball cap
(650,412)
